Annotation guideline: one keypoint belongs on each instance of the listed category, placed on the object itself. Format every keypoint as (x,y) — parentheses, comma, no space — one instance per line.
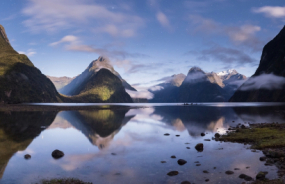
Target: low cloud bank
(264,81)
(140,94)
(156,88)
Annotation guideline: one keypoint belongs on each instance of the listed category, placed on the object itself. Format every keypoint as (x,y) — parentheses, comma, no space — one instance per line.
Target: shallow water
(136,137)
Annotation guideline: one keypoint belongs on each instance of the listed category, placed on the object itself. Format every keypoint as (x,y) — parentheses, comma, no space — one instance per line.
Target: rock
(57,154)
(245,177)
(113,154)
(185,182)
(202,134)
(247,167)
(173,156)
(236,169)
(177,135)
(181,162)
(260,176)
(205,171)
(262,158)
(207,140)
(198,164)
(167,134)
(206,180)
(187,143)
(172,173)
(188,147)
(229,172)
(217,135)
(199,147)
(243,127)
(163,162)
(27,156)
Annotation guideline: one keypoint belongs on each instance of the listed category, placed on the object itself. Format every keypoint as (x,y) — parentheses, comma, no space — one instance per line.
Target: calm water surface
(136,139)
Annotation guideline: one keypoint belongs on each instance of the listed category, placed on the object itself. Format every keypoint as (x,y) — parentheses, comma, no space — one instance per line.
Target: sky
(145,40)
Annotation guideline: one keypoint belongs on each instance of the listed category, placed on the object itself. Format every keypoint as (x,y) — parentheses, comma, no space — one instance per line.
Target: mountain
(60,82)
(197,87)
(95,66)
(167,91)
(267,83)
(20,80)
(100,87)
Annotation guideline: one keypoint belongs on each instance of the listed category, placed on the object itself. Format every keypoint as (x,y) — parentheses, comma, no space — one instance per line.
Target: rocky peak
(177,79)
(3,34)
(195,69)
(227,72)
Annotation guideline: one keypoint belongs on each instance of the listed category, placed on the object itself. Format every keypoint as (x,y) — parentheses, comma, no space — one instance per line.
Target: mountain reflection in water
(136,137)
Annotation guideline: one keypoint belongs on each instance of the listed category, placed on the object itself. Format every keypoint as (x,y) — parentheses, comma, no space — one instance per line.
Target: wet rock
(207,140)
(262,158)
(205,172)
(173,173)
(245,177)
(163,162)
(177,135)
(187,143)
(229,172)
(173,156)
(254,150)
(198,164)
(199,147)
(214,168)
(202,134)
(57,154)
(185,182)
(167,134)
(236,169)
(188,147)
(181,162)
(27,156)
(260,176)
(206,180)
(217,135)
(247,167)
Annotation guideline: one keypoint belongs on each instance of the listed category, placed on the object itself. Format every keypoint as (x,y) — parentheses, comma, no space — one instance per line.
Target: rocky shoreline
(267,137)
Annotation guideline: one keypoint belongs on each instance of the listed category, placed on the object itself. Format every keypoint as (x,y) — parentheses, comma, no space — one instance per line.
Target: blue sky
(146,40)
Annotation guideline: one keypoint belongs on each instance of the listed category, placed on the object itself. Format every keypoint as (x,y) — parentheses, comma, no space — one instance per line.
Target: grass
(64,181)
(261,137)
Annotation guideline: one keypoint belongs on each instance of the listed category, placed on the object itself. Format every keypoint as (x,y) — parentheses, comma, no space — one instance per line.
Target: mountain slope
(197,87)
(94,67)
(102,86)
(267,83)
(20,80)
(167,91)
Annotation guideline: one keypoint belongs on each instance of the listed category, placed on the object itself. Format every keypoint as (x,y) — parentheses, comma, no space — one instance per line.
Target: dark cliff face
(20,80)
(272,62)
(102,86)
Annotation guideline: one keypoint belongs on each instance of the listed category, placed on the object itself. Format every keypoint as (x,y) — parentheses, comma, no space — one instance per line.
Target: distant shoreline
(23,107)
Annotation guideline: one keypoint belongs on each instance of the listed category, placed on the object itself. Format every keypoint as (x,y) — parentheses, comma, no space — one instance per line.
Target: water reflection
(17,131)
(136,136)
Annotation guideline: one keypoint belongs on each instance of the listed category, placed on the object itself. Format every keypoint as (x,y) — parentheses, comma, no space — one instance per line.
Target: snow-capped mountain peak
(227,72)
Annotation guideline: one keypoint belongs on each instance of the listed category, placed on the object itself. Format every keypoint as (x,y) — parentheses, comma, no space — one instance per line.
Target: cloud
(73,43)
(140,94)
(224,55)
(264,81)
(242,35)
(29,52)
(55,15)
(156,88)
(271,11)
(162,19)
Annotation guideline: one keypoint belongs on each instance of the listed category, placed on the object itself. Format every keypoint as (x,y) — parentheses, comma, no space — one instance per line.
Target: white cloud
(69,39)
(55,15)
(264,81)
(156,88)
(29,52)
(140,94)
(243,33)
(162,19)
(271,11)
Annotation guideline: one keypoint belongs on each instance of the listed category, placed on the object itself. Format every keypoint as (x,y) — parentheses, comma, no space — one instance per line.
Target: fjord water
(127,145)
